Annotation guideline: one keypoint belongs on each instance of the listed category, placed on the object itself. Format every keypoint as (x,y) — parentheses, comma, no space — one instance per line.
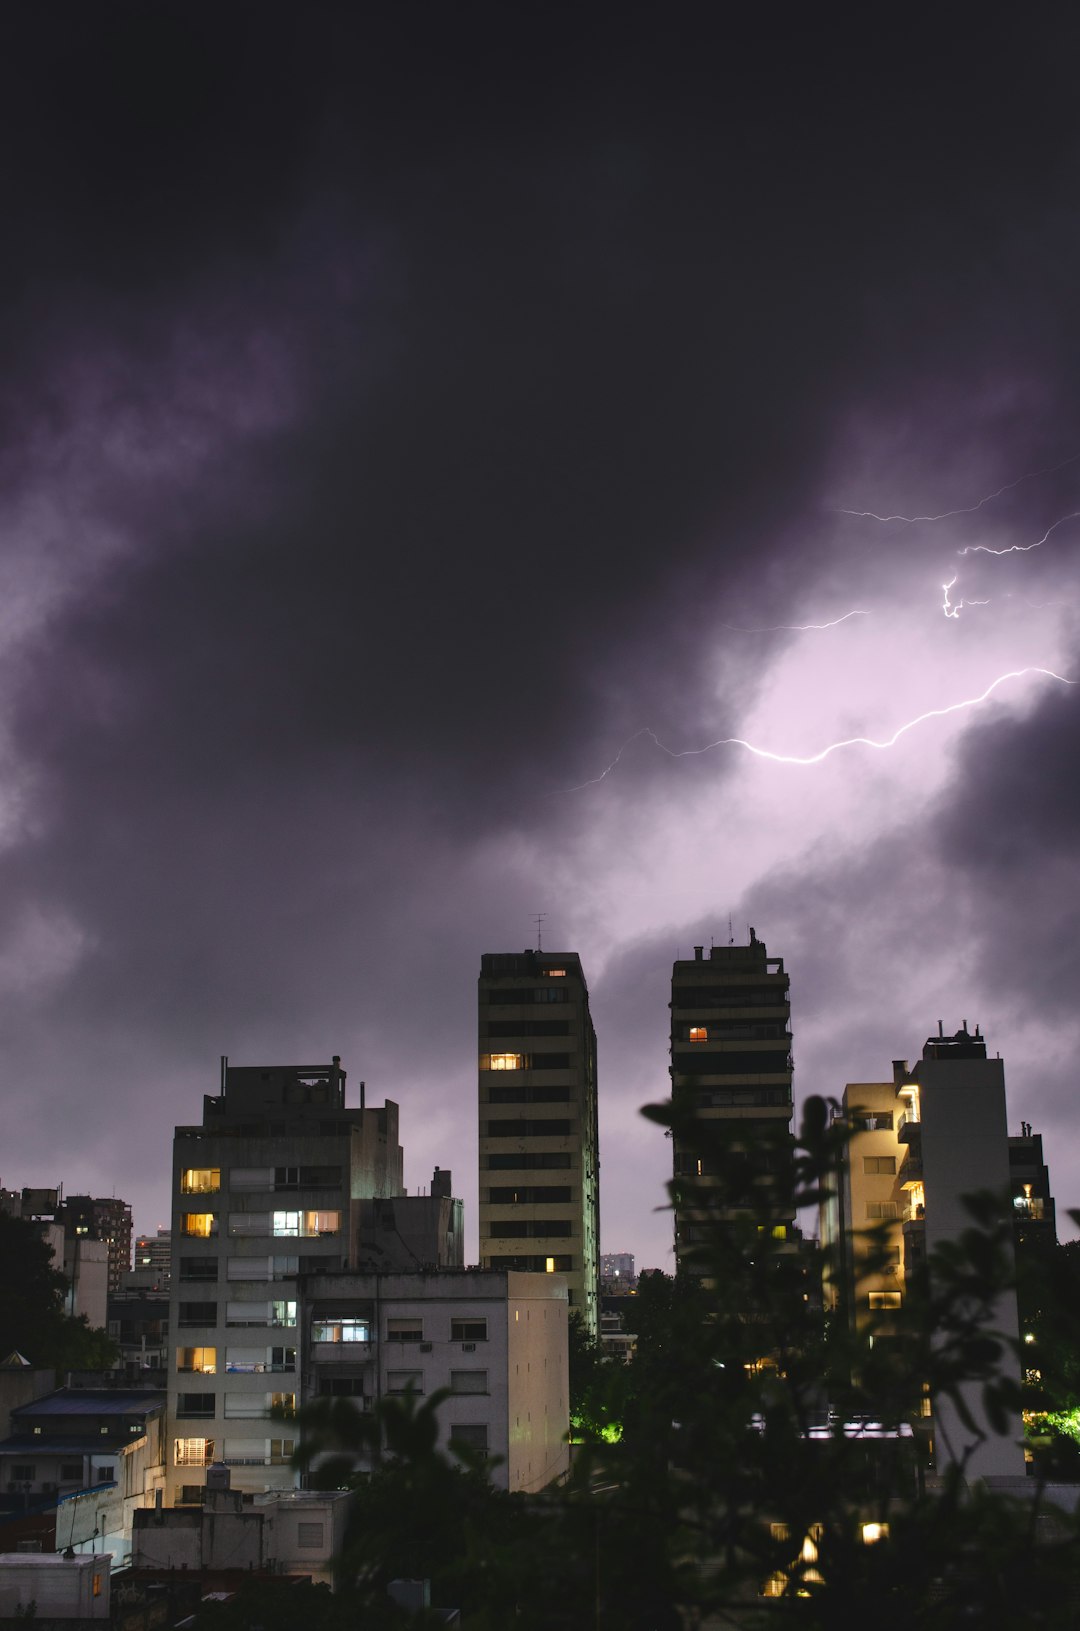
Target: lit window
(306,1223)
(555,973)
(343,1330)
(200,1180)
(549,1265)
(283,1401)
(500,1061)
(197,1359)
(872,1532)
(96,1586)
(203,1224)
(699,1033)
(284,1313)
(193,1452)
(885,1299)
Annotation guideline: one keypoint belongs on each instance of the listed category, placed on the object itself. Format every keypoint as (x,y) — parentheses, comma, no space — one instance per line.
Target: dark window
(705,1063)
(530,1195)
(70,1470)
(469,1437)
(551,1061)
(543,1159)
(529,1228)
(529,1095)
(728,996)
(23,1472)
(307,1177)
(198,1268)
(528,1129)
(468,1330)
(528,1027)
(538,993)
(342,1387)
(198,1313)
(879,1163)
(195,1404)
(192,1494)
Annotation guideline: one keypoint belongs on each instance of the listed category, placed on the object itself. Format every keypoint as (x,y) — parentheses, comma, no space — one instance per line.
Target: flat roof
(88,1401)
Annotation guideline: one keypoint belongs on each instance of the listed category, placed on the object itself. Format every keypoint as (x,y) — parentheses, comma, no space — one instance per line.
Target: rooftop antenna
(539,916)
(730,931)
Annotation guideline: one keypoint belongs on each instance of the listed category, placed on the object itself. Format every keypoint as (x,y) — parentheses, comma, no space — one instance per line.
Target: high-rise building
(539,1146)
(730,1063)
(919,1145)
(266,1189)
(101,1218)
(153,1260)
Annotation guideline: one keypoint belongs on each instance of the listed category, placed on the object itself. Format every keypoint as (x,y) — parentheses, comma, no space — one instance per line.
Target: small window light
(555,973)
(699,1033)
(549,1265)
(1029,1336)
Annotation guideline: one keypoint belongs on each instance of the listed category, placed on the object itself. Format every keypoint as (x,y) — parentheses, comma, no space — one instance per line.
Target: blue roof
(85,1401)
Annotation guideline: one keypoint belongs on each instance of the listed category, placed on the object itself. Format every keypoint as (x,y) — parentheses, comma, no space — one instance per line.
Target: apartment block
(496,1339)
(539,1142)
(267,1189)
(730,1064)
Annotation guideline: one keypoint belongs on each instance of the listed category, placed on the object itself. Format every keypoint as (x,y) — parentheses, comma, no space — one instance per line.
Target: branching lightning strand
(1018,549)
(833,747)
(793,628)
(970,509)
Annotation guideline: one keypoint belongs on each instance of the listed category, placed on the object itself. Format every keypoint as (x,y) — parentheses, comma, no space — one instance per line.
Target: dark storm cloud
(412,402)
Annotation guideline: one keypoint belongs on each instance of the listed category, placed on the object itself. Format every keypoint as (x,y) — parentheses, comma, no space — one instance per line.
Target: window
(105,1475)
(529,1228)
(197,1359)
(282,1359)
(307,1223)
(528,1129)
(555,973)
(249,1223)
(530,1195)
(522,1162)
(468,1330)
(245,1406)
(195,1404)
(880,1209)
(245,1360)
(202,1224)
(200,1181)
(526,1094)
(24,1472)
(283,1268)
(198,1314)
(247,1268)
(307,1177)
(309,1536)
(879,1163)
(533,1265)
(281,1451)
(468,1381)
(198,1268)
(404,1330)
(470,1437)
(401,1381)
(502,1061)
(283,1401)
(342,1387)
(244,1313)
(874,1121)
(342,1330)
(193,1452)
(885,1299)
(283,1313)
(95,1586)
(245,1179)
(699,1033)
(70,1470)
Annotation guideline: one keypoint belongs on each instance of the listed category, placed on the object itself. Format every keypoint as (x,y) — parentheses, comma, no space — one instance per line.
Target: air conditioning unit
(425,1347)
(468,1347)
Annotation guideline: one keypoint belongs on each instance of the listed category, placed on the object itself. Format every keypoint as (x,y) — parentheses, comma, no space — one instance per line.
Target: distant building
(496,1339)
(617,1272)
(408,1232)
(731,1064)
(539,1143)
(106,1219)
(920,1144)
(1034,1211)
(267,1189)
(152,1264)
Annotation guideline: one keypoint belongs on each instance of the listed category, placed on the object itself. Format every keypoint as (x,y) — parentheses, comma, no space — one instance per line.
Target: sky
(460,464)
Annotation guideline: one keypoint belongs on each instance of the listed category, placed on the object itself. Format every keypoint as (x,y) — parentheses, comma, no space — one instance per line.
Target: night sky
(424,430)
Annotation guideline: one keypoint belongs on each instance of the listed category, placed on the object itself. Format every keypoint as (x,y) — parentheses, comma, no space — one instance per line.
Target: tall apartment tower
(267,1189)
(539,1146)
(730,1057)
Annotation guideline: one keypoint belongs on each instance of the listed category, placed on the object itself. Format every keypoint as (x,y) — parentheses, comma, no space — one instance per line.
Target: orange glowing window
(555,973)
(699,1033)
(501,1061)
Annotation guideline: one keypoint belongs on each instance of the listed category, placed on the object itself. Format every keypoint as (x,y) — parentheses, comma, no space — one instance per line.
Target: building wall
(57,1587)
(538,1138)
(538,1395)
(268,1188)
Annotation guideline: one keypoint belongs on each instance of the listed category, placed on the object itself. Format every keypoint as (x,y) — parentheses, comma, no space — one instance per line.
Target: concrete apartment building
(921,1142)
(103,1218)
(730,1058)
(268,1188)
(539,1143)
(496,1339)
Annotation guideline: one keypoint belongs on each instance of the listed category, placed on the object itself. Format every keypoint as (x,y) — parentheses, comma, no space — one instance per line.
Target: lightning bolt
(954,611)
(833,747)
(1018,549)
(970,509)
(793,628)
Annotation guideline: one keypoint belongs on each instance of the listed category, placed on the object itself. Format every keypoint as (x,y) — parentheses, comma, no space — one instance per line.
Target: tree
(32,1318)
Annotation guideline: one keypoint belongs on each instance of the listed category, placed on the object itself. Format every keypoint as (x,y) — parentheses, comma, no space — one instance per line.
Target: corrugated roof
(85,1401)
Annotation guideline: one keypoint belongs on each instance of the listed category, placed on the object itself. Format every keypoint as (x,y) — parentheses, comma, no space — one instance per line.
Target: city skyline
(465,470)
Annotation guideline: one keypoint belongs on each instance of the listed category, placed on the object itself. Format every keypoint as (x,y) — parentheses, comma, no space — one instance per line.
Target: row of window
(879,1164)
(528,1094)
(241,1361)
(236,1404)
(207,1180)
(527,1129)
(533,1265)
(277,1267)
(529,1228)
(532,1161)
(747,1030)
(523,997)
(327,1329)
(715,1098)
(530,1195)
(205,1225)
(200,1452)
(528,1027)
(280,1311)
(525,1061)
(766,1062)
(729,996)
(71,1472)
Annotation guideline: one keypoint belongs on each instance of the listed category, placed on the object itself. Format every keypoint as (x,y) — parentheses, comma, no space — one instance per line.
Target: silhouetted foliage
(32,1318)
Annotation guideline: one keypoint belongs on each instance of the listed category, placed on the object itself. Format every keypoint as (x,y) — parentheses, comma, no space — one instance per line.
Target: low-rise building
(45,1586)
